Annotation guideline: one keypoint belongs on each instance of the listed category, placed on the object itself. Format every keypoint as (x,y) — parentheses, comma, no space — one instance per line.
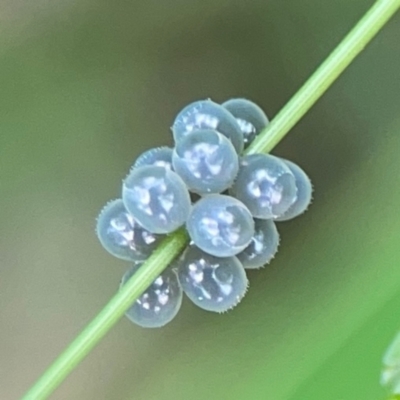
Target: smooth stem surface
(172,246)
(325,75)
(109,315)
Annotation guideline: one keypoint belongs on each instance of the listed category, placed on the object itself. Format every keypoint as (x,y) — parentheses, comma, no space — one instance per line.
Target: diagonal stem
(325,75)
(172,246)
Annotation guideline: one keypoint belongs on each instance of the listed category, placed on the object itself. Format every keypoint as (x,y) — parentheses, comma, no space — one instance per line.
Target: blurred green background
(87,86)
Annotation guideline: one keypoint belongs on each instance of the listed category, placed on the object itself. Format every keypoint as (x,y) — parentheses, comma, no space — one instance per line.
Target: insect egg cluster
(228,201)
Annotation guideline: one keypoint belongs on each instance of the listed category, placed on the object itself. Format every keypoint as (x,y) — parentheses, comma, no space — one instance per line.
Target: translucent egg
(206,161)
(159,156)
(212,283)
(303,196)
(265,185)
(220,225)
(263,246)
(249,116)
(122,236)
(157,198)
(159,304)
(205,114)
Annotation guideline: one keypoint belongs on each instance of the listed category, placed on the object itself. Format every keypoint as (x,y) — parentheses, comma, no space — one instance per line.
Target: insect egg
(158,156)
(122,236)
(220,225)
(265,184)
(212,283)
(206,161)
(303,195)
(159,303)
(205,114)
(157,198)
(249,116)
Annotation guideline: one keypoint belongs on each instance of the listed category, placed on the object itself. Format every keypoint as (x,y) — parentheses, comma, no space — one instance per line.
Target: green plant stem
(325,75)
(109,315)
(173,245)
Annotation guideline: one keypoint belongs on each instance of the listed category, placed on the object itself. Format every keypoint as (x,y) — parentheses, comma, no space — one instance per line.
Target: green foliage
(295,109)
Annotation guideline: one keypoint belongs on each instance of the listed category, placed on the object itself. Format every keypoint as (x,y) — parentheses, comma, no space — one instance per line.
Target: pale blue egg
(212,283)
(122,236)
(206,161)
(220,225)
(205,114)
(157,198)
(160,302)
(265,184)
